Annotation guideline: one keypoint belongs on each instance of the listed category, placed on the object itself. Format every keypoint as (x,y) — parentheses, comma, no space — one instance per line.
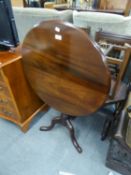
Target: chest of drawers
(18,102)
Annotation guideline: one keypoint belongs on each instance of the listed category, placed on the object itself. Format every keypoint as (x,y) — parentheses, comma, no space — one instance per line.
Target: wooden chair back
(123,64)
(112,38)
(120,44)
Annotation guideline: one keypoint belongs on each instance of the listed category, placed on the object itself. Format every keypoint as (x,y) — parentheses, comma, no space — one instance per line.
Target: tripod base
(64,120)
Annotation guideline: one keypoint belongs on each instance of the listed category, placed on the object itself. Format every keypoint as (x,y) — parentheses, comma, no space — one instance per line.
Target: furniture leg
(119,107)
(106,128)
(55,121)
(110,122)
(25,127)
(64,120)
(70,127)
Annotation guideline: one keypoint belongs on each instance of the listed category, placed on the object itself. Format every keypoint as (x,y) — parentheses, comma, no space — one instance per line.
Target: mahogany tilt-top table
(66,70)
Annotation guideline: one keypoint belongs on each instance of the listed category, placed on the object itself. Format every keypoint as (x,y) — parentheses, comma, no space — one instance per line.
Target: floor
(52,153)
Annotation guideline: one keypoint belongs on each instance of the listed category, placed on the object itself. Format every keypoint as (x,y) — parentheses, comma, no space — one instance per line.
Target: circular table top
(65,68)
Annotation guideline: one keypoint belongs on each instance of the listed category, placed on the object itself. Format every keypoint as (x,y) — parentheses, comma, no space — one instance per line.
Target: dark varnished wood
(65,68)
(119,89)
(65,120)
(112,38)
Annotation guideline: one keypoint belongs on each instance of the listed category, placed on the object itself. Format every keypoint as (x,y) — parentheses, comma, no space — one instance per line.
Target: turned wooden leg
(55,121)
(70,127)
(64,120)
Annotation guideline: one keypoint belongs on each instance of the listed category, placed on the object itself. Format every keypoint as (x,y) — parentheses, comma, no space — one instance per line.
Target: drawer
(4,92)
(9,111)
(7,103)
(9,114)
(4,97)
(3,80)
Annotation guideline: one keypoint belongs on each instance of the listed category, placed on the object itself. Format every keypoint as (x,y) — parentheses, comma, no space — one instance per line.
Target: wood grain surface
(65,68)
(18,102)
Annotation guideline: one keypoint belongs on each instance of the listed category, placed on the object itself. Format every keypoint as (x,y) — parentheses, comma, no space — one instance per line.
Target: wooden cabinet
(124,5)
(18,102)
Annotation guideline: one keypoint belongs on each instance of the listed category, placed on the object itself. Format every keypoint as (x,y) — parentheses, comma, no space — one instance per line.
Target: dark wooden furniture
(118,58)
(118,11)
(66,70)
(125,5)
(26,3)
(42,2)
(112,38)
(18,102)
(39,3)
(121,64)
(117,54)
(96,7)
(119,153)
